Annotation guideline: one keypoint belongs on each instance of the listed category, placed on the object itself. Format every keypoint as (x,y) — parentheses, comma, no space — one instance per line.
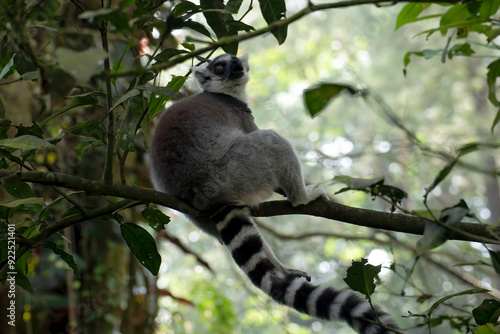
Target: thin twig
(107,177)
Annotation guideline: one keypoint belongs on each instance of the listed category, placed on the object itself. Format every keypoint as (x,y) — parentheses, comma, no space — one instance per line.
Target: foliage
(475,17)
(87,86)
(360,277)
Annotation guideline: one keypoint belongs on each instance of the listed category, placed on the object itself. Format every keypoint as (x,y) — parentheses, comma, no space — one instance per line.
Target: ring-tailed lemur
(208,152)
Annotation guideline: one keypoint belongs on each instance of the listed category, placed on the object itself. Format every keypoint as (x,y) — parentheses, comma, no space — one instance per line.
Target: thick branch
(375,219)
(320,208)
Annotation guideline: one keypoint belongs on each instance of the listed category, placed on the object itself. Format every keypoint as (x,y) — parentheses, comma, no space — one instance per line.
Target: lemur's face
(227,67)
(225,74)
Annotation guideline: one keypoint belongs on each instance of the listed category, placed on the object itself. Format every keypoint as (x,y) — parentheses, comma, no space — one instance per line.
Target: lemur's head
(225,74)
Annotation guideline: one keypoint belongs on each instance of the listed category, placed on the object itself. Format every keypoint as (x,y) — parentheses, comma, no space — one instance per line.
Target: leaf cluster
(458,22)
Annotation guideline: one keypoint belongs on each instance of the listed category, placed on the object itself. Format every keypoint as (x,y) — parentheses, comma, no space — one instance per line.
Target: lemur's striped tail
(288,287)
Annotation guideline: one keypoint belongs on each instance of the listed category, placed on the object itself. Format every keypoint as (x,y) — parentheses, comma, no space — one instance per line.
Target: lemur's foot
(314,192)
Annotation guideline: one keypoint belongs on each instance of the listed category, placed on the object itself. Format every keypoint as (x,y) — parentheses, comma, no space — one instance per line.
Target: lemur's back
(192,137)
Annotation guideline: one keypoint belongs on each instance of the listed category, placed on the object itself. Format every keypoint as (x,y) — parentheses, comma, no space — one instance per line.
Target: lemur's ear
(201,74)
(244,61)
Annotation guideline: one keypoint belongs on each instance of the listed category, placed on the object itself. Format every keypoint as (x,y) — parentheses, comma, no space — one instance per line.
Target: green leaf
(216,20)
(114,216)
(460,50)
(361,275)
(272,11)
(427,54)
(126,3)
(44,10)
(396,195)
(492,34)
(91,128)
(317,97)
(491,78)
(461,151)
(23,63)
(31,76)
(4,127)
(31,206)
(354,182)
(117,65)
(85,145)
(70,261)
(198,27)
(165,91)
(469,148)
(443,173)
(127,96)
(3,107)
(22,270)
(233,6)
(155,218)
(435,234)
(103,12)
(409,13)
(7,67)
(374,186)
(75,101)
(32,231)
(24,201)
(142,245)
(158,100)
(427,214)
(134,113)
(488,8)
(239,26)
(458,14)
(184,7)
(487,329)
(487,312)
(166,54)
(18,189)
(25,143)
(189,46)
(495,259)
(33,130)
(3,164)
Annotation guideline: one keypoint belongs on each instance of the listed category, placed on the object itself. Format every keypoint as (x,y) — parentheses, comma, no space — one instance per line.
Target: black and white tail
(289,287)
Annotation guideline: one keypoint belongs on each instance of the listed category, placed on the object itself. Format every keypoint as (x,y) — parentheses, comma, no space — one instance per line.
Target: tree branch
(319,208)
(396,222)
(311,8)
(107,176)
(27,244)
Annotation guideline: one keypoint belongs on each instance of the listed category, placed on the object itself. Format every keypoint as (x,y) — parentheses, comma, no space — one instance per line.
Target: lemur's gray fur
(208,152)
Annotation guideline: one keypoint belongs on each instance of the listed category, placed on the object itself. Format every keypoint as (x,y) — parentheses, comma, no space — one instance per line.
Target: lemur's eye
(219,67)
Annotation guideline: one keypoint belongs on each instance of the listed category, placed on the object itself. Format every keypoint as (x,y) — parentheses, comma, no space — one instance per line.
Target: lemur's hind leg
(262,161)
